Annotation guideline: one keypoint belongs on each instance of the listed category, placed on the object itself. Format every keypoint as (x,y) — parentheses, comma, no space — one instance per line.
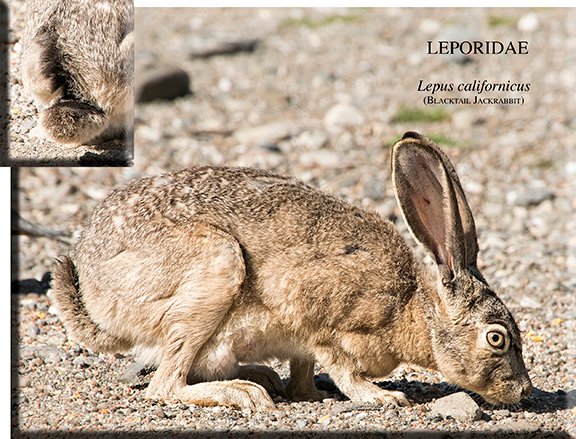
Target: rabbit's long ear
(433,202)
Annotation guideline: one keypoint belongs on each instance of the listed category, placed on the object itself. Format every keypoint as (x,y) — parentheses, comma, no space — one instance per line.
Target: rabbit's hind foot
(244,395)
(73,122)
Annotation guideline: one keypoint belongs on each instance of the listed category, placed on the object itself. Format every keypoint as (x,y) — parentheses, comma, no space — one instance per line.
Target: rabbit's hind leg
(199,306)
(42,73)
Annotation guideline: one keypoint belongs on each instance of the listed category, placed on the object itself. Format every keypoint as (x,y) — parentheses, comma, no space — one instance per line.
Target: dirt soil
(321,95)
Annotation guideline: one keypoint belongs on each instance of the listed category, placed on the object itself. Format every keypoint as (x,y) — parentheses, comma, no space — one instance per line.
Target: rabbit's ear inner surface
(432,201)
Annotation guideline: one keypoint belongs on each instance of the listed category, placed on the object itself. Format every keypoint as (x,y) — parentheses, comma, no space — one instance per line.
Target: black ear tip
(411,135)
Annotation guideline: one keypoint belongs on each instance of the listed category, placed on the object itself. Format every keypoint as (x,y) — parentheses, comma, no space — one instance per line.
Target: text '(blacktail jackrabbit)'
(78,63)
(210,266)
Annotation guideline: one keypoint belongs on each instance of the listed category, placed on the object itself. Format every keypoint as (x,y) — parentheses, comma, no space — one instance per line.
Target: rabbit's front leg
(301,386)
(351,381)
(358,388)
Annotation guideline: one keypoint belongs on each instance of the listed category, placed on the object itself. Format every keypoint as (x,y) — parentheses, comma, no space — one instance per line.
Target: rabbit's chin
(511,397)
(500,402)
(495,392)
(499,394)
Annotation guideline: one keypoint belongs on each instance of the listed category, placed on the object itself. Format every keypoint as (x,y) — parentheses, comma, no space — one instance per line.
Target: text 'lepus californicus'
(209,267)
(78,63)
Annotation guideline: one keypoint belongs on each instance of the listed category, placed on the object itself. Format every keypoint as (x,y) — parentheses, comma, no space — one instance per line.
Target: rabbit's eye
(496,339)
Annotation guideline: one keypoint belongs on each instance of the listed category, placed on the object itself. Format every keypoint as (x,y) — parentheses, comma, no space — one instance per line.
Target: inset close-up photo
(71,81)
(340,221)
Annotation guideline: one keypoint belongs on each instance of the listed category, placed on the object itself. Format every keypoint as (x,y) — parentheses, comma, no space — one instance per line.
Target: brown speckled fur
(210,266)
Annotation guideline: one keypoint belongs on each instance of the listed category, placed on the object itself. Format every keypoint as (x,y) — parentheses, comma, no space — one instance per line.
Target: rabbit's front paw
(370,393)
(391,398)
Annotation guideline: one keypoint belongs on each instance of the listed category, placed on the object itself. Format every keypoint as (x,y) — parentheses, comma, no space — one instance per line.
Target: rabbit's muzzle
(509,392)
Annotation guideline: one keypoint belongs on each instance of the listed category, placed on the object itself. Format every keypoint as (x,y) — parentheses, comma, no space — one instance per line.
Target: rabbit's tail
(73,313)
(74,122)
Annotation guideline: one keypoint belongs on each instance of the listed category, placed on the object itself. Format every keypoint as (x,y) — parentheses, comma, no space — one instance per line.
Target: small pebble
(161,82)
(33,331)
(301,424)
(343,115)
(503,413)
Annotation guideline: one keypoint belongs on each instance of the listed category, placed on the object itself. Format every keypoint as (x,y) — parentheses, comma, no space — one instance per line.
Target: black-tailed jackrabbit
(77,61)
(209,267)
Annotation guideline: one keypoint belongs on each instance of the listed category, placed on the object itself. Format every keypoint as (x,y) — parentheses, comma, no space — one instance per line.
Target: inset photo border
(67,75)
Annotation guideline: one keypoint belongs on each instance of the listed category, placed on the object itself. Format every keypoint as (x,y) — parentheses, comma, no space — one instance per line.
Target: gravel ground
(22,149)
(322,97)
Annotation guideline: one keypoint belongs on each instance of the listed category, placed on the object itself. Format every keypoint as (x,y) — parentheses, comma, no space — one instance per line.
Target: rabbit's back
(242,201)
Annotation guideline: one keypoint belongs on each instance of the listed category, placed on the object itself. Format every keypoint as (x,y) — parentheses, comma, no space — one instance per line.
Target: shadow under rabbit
(111,150)
(540,401)
(112,153)
(118,151)
(418,392)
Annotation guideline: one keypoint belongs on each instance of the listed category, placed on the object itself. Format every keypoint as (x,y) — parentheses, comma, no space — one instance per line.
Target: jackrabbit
(209,267)
(77,61)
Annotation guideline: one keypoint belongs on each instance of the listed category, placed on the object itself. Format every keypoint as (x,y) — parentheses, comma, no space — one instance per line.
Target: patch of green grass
(390,142)
(543,164)
(411,115)
(442,140)
(315,23)
(500,20)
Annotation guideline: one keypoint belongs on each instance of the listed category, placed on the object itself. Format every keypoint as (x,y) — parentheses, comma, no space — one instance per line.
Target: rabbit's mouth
(507,393)
(499,400)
